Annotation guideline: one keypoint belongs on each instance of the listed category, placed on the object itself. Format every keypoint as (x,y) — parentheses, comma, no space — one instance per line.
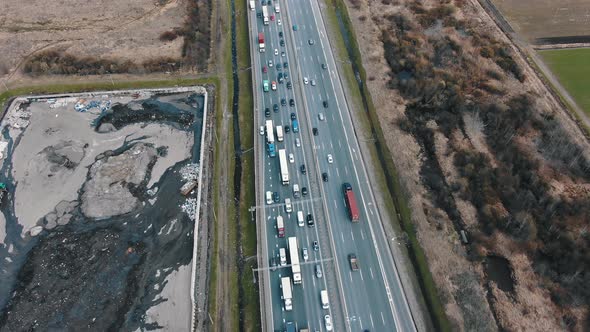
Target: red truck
(261,42)
(353,210)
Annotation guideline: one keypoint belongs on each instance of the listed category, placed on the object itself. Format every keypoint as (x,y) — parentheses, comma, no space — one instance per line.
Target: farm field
(535,19)
(572,68)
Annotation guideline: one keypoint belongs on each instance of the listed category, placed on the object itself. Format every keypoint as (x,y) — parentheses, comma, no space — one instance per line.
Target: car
(297,142)
(282,43)
(288,206)
(270,63)
(315,131)
(276,52)
(328,322)
(267,112)
(283,102)
(325,177)
(303,169)
(272,17)
(291,102)
(286,64)
(286,75)
(305,254)
(273,265)
(279,22)
(318,271)
(261,131)
(321,116)
(310,222)
(275,197)
(295,28)
(280,34)
(259,14)
(304,191)
(312,82)
(330,159)
(289,85)
(291,158)
(280,78)
(325,104)
(287,128)
(324,66)
(275,108)
(311,42)
(273,86)
(316,246)
(264,69)
(278,66)
(263,3)
(293,116)
(305,81)
(283,54)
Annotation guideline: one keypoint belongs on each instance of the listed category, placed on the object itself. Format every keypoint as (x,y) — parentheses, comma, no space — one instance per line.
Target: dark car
(285,64)
(302,168)
(293,116)
(267,112)
(325,177)
(259,14)
(316,246)
(291,102)
(315,131)
(286,76)
(287,128)
(278,66)
(311,42)
(273,263)
(282,42)
(304,191)
(325,104)
(289,85)
(310,222)
(324,66)
(284,102)
(275,197)
(281,34)
(280,78)
(275,108)
(263,2)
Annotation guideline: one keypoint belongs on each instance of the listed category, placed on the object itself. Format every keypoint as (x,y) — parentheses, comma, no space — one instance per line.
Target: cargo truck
(287,294)
(252,5)
(324,299)
(279,133)
(265,18)
(294,256)
(350,200)
(280,226)
(277,7)
(284,167)
(261,42)
(270,137)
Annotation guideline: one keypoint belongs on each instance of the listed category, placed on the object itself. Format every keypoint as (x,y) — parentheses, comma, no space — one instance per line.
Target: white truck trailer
(280,136)
(287,294)
(294,256)
(284,167)
(265,18)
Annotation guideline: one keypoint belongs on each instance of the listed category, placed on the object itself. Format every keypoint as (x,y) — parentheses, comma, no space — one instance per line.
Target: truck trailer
(287,294)
(261,42)
(350,200)
(294,256)
(265,18)
(284,167)
(280,136)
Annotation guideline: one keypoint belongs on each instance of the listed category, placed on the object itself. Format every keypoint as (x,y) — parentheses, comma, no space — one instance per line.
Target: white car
(312,82)
(330,160)
(328,322)
(288,206)
(269,197)
(321,116)
(297,142)
(261,130)
(276,52)
(305,81)
(270,63)
(279,22)
(305,254)
(291,158)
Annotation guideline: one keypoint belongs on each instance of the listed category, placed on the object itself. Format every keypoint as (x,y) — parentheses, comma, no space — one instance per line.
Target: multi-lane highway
(371,298)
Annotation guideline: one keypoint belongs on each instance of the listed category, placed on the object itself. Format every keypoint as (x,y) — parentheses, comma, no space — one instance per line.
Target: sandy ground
(105,28)
(52,126)
(172,313)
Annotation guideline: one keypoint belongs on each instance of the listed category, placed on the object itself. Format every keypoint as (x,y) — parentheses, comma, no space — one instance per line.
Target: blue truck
(271,150)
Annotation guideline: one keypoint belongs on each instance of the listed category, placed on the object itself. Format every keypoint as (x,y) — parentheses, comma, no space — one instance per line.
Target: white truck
(265,18)
(284,167)
(252,5)
(280,136)
(287,294)
(324,299)
(294,256)
(270,136)
(283,256)
(277,7)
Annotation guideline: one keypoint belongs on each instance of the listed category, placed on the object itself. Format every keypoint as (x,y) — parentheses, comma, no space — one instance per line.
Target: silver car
(318,271)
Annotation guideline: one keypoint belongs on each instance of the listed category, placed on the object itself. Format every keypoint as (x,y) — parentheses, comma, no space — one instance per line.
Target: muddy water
(101,275)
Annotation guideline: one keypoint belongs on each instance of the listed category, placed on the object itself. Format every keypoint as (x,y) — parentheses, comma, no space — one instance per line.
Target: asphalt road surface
(371,298)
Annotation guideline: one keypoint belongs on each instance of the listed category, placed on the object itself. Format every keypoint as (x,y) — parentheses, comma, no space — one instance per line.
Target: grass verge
(390,179)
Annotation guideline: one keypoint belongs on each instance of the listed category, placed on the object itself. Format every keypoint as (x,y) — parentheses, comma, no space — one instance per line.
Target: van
(283,256)
(288,206)
(268,197)
(296,193)
(324,299)
(300,220)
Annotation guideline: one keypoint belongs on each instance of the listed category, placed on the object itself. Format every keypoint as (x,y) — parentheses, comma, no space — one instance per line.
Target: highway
(371,298)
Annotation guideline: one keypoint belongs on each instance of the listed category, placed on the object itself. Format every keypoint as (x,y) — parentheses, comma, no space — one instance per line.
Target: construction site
(100,207)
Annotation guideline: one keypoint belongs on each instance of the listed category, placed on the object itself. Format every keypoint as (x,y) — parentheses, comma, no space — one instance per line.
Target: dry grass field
(547,18)
(106,29)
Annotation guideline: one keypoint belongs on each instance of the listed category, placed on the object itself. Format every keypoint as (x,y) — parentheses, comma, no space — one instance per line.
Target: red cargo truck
(261,42)
(353,210)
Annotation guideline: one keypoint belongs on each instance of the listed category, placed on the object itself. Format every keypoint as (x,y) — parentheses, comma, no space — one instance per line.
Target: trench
(238,165)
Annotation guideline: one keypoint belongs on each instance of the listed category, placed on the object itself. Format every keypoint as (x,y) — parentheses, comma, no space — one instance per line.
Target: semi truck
(287,294)
(280,226)
(270,137)
(294,256)
(261,42)
(252,5)
(280,133)
(284,167)
(350,200)
(265,18)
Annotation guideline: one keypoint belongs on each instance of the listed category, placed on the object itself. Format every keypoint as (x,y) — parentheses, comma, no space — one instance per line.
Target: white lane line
(334,119)
(337,172)
(361,271)
(371,270)
(335,206)
(331,145)
(352,235)
(342,234)
(382,318)
(346,170)
(350,274)
(340,144)
(371,211)
(362,234)
(372,323)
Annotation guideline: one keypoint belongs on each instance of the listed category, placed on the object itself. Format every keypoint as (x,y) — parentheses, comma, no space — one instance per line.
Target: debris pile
(82,105)
(190,172)
(190,208)
(19,118)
